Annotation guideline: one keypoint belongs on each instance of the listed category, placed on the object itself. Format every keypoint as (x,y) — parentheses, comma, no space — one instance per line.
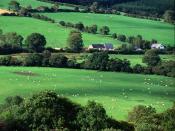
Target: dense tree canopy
(75,41)
(48,111)
(151,58)
(36,42)
(14,5)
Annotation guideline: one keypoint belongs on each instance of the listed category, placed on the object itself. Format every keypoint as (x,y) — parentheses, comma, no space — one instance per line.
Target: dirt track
(4,11)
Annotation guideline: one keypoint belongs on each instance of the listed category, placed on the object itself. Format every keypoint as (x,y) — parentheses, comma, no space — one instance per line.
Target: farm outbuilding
(158,46)
(107,46)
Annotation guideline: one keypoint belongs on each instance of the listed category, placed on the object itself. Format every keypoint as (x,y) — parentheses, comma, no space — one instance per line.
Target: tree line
(146,9)
(95,61)
(48,111)
(35,44)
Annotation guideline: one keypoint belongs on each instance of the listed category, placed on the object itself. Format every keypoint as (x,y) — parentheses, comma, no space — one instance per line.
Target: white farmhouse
(157,46)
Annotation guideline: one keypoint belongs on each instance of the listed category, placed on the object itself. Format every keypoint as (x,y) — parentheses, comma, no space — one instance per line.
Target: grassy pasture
(149,29)
(118,92)
(137,59)
(33,3)
(56,35)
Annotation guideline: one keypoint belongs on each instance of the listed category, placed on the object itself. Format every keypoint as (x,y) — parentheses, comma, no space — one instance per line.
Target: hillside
(33,3)
(88,2)
(122,25)
(118,92)
(56,35)
(145,7)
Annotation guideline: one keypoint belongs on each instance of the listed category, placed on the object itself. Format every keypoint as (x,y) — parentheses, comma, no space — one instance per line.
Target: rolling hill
(118,92)
(56,35)
(149,29)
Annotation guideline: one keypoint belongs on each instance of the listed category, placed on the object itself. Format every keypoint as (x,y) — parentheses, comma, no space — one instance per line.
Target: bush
(151,58)
(97,61)
(104,30)
(92,117)
(138,69)
(79,26)
(62,23)
(10,61)
(121,38)
(58,60)
(33,59)
(114,35)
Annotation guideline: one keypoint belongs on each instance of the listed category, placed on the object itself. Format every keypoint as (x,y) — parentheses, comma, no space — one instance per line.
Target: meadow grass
(149,29)
(118,92)
(56,35)
(137,59)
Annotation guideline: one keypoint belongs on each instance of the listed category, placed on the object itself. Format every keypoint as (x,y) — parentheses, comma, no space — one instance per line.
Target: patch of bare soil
(2,11)
(25,73)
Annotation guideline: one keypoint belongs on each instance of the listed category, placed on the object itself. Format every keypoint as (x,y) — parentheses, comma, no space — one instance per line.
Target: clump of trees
(169,16)
(101,61)
(13,43)
(10,43)
(151,58)
(35,42)
(48,111)
(14,5)
(146,118)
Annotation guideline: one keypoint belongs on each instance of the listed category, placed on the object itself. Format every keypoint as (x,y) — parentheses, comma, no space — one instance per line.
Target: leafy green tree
(35,42)
(11,38)
(138,68)
(46,56)
(58,60)
(6,60)
(140,112)
(114,35)
(94,7)
(151,58)
(1,32)
(105,30)
(24,12)
(43,111)
(62,23)
(97,61)
(121,38)
(76,9)
(169,16)
(55,7)
(75,41)
(92,29)
(14,5)
(79,26)
(16,100)
(137,41)
(33,59)
(93,117)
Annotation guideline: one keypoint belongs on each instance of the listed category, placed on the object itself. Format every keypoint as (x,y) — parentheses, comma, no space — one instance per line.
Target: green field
(118,92)
(149,29)
(56,36)
(137,59)
(33,3)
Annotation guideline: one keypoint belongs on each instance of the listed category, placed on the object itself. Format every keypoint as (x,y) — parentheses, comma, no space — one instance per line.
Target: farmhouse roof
(108,46)
(98,46)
